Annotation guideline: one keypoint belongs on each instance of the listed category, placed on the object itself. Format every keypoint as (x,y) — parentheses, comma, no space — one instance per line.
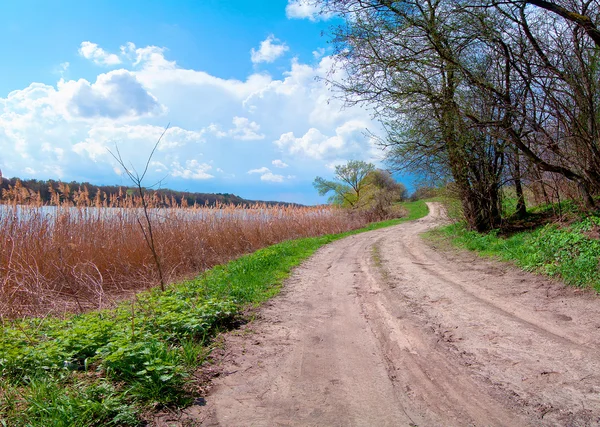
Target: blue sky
(238,81)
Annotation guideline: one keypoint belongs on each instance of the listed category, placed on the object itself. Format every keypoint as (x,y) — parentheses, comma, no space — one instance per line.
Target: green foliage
(348,184)
(416,209)
(566,252)
(101,368)
(50,402)
(193,353)
(336,190)
(380,194)
(372,193)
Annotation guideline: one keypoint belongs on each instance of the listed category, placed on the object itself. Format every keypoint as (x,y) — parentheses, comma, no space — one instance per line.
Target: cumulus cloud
(191,170)
(271,177)
(95,53)
(62,131)
(114,95)
(268,176)
(312,144)
(57,152)
(150,57)
(134,141)
(349,139)
(270,49)
(243,130)
(302,95)
(305,9)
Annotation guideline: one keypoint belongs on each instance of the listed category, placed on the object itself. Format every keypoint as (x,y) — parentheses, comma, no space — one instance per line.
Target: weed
(193,353)
(47,402)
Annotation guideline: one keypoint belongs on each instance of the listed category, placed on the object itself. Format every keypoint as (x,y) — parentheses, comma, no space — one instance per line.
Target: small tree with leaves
(349,183)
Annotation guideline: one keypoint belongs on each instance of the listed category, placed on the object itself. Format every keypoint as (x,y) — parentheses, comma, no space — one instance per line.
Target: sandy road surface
(380,329)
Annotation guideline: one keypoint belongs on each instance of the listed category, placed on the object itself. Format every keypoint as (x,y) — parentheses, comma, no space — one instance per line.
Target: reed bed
(84,253)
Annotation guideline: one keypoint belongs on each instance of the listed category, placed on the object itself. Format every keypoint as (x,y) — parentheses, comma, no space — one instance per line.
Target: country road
(382,329)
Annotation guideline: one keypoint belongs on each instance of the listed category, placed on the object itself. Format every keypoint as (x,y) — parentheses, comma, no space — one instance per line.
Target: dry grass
(82,254)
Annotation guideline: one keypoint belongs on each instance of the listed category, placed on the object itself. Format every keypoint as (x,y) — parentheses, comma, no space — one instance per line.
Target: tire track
(415,337)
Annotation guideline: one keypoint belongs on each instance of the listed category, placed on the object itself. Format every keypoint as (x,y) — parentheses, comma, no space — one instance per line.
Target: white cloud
(268,176)
(279,164)
(133,141)
(192,170)
(270,49)
(158,166)
(152,57)
(337,162)
(349,139)
(243,130)
(262,170)
(63,130)
(319,53)
(305,9)
(95,53)
(62,68)
(58,152)
(271,177)
(114,95)
(302,95)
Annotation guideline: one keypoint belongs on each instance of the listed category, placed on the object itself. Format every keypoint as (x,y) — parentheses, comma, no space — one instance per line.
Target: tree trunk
(521,207)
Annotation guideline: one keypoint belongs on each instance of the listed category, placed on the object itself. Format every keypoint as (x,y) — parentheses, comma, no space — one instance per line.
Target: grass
(558,241)
(104,367)
(416,210)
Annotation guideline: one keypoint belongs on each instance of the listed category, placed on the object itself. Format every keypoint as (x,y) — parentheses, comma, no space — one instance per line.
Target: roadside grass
(115,367)
(416,210)
(556,240)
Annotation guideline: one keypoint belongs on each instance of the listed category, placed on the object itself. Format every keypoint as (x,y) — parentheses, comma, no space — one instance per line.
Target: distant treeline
(46,189)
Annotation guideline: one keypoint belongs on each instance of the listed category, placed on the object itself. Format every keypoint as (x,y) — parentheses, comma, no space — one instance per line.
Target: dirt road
(381,329)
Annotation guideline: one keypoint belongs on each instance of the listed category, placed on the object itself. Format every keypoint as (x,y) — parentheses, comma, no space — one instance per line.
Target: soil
(384,329)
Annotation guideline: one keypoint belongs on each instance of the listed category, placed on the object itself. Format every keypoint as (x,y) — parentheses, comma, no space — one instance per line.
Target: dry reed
(84,253)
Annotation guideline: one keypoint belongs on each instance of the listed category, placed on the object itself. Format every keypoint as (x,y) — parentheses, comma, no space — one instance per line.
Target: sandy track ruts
(380,329)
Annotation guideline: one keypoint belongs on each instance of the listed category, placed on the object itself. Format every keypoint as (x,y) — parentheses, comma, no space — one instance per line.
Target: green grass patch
(416,210)
(104,367)
(569,252)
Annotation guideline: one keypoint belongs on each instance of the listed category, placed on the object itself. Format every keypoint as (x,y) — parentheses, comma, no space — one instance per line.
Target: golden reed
(82,253)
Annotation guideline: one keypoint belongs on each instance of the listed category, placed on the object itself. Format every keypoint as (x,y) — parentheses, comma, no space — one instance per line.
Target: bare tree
(580,18)
(138,179)
(466,87)
(555,113)
(404,59)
